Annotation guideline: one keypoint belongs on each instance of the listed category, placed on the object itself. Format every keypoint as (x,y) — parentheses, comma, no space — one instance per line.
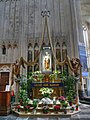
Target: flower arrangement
(57,108)
(38,74)
(77,107)
(18,108)
(22,97)
(35,102)
(72,108)
(56,72)
(54,75)
(46,92)
(65,104)
(26,108)
(61,99)
(45,109)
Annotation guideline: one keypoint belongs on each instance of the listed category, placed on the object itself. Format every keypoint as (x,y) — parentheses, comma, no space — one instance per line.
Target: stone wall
(21,23)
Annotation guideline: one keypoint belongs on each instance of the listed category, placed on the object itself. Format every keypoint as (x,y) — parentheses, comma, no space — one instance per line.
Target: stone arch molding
(5,68)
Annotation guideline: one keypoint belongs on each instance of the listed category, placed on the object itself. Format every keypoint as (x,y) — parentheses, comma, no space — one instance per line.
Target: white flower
(46,90)
(30,102)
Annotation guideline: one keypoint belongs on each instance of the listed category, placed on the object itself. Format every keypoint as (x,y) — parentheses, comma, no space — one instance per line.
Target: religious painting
(46,63)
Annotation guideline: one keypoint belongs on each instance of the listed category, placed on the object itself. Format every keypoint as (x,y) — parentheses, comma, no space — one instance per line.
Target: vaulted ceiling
(85,10)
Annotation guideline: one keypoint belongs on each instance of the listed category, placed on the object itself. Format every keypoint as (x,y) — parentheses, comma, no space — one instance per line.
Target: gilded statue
(47,61)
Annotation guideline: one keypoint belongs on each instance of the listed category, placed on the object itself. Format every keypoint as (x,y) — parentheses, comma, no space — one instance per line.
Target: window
(3,50)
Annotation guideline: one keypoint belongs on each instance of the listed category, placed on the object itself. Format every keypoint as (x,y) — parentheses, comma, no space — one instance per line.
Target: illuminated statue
(47,61)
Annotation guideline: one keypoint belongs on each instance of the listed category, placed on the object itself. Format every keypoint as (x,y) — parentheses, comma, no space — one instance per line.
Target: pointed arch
(3,49)
(30,56)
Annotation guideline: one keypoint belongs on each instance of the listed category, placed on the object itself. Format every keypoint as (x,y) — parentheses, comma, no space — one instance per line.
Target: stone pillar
(77,31)
(88,60)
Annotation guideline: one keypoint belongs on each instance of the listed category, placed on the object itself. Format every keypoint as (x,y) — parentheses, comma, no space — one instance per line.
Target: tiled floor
(83,115)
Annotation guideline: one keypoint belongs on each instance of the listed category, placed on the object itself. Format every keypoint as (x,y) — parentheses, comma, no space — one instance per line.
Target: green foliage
(22,97)
(69,84)
(54,75)
(22,94)
(63,76)
(24,85)
(35,102)
(23,82)
(30,80)
(65,104)
(39,75)
(70,95)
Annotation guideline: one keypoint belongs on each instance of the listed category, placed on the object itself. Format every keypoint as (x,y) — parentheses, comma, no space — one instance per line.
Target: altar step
(85,100)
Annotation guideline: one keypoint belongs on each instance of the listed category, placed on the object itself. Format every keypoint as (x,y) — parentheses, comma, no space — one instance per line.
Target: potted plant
(30,80)
(70,97)
(69,85)
(46,92)
(22,97)
(77,107)
(52,77)
(57,108)
(35,102)
(18,108)
(38,75)
(26,108)
(72,108)
(55,75)
(65,104)
(45,108)
(61,99)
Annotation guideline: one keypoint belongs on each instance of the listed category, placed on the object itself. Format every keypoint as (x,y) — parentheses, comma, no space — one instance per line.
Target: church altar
(57,86)
(49,65)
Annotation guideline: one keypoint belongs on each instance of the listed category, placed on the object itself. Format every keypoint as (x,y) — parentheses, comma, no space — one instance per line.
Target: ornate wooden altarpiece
(57,87)
(46,68)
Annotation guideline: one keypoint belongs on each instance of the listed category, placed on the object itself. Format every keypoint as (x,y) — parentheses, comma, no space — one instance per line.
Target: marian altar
(47,71)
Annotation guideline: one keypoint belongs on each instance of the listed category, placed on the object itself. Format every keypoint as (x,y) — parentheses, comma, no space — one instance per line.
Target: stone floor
(84,114)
